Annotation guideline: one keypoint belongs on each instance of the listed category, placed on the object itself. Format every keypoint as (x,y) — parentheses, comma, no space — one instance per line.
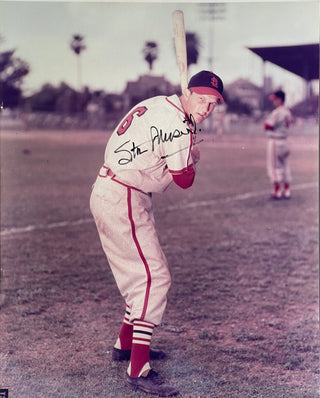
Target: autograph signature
(129,150)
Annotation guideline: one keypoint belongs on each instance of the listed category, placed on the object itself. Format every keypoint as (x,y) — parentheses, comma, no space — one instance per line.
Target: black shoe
(152,384)
(275,197)
(124,355)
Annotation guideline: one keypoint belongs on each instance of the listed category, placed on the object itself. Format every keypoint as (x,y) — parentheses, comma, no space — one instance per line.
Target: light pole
(77,45)
(211,12)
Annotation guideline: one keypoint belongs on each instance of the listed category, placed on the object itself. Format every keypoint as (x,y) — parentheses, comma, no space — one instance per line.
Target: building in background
(245,92)
(146,86)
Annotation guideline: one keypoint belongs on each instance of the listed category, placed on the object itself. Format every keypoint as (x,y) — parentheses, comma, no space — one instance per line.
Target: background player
(278,151)
(152,146)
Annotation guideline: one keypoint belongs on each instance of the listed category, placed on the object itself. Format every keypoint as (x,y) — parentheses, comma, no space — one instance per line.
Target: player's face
(199,106)
(276,102)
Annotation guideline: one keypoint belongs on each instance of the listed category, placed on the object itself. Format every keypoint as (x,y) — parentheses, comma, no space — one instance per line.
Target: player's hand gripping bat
(181,47)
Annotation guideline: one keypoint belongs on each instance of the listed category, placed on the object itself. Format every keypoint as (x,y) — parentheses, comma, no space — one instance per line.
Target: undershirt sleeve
(186,178)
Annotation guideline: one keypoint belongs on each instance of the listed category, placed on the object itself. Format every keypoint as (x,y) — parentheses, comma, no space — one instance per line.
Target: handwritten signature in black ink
(157,137)
(131,153)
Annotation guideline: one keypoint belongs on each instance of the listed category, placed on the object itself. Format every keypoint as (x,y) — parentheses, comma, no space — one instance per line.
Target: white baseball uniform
(145,151)
(277,147)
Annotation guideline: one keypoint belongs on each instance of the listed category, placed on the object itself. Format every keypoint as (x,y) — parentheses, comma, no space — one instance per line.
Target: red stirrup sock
(124,341)
(140,351)
(276,188)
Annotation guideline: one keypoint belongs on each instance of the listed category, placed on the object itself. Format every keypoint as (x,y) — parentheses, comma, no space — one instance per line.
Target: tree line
(63,98)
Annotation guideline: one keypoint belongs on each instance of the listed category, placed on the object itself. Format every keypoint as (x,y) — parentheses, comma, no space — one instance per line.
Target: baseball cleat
(276,194)
(124,355)
(152,384)
(287,194)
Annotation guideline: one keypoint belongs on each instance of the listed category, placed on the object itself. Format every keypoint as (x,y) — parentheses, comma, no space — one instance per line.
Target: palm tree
(192,42)
(77,45)
(150,53)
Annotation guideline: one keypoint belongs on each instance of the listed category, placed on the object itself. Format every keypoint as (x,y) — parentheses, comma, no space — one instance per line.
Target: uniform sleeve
(180,162)
(279,118)
(176,146)
(174,142)
(267,126)
(288,118)
(270,121)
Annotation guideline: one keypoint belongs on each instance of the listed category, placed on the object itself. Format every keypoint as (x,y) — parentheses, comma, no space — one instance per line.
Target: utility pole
(211,12)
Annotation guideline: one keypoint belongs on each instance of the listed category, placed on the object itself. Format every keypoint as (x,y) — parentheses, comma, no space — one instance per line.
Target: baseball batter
(278,151)
(153,146)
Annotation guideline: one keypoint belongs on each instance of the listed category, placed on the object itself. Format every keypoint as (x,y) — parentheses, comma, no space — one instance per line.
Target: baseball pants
(277,160)
(126,227)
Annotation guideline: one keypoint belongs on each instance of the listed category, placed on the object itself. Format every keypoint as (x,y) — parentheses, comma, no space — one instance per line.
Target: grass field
(242,315)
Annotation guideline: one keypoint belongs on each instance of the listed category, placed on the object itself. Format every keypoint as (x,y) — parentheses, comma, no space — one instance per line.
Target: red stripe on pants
(134,236)
(274,161)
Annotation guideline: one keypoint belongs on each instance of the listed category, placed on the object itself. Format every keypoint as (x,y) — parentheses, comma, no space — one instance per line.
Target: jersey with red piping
(151,144)
(278,121)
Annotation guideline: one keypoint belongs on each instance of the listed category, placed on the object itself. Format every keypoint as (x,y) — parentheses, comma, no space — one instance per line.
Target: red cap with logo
(207,83)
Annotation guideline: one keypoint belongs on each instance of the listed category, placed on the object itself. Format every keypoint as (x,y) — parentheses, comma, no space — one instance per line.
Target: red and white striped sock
(124,341)
(276,188)
(140,351)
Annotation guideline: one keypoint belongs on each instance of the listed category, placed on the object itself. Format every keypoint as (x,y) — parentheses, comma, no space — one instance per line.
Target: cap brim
(207,91)
(272,97)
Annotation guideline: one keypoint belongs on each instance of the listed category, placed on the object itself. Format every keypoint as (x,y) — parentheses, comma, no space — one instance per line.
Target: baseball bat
(180,47)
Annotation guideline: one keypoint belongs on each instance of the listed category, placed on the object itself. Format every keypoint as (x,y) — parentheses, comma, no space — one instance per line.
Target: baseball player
(153,146)
(276,125)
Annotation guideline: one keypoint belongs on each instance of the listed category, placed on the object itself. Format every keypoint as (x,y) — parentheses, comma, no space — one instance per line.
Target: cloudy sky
(115,34)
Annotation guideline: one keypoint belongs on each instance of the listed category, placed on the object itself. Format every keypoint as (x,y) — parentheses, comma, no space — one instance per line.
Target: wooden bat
(180,46)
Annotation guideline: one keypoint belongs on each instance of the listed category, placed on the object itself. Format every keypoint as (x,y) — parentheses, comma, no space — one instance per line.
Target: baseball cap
(207,83)
(278,94)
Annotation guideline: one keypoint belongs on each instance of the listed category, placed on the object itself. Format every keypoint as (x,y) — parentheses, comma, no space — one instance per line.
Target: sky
(115,34)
